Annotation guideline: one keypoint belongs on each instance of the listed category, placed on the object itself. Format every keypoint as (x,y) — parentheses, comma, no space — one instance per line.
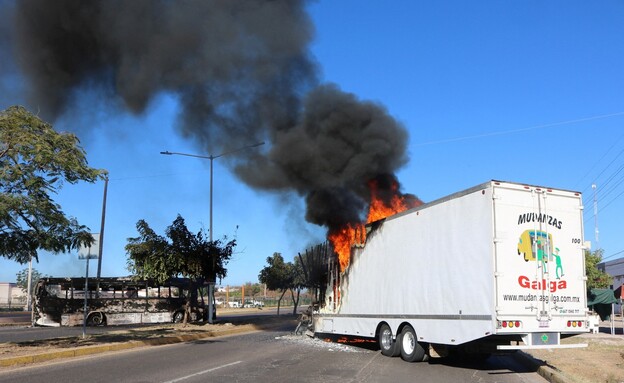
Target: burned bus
(115,301)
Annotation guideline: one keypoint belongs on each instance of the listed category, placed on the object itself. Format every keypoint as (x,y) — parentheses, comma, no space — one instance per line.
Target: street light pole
(210,224)
(101,244)
(212,158)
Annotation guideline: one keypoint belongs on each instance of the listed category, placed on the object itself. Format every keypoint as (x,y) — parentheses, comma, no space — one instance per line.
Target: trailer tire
(388,346)
(411,349)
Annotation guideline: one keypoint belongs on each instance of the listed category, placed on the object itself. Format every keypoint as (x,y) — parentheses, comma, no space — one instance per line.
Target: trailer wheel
(411,350)
(388,346)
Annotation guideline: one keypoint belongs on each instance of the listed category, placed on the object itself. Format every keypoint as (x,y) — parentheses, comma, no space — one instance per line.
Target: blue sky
(528,92)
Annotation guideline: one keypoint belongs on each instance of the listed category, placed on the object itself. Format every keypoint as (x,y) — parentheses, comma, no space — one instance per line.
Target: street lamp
(211,158)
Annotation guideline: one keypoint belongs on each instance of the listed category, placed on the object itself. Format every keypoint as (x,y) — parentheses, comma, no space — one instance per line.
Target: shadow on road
(495,365)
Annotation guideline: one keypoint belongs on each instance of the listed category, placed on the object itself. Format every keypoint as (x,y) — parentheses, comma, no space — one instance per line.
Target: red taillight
(573,323)
(510,324)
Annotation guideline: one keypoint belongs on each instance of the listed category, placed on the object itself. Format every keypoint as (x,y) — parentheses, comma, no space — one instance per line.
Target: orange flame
(344,239)
(353,340)
(349,235)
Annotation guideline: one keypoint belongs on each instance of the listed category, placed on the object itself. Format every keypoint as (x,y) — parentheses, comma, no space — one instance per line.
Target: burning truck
(494,268)
(497,264)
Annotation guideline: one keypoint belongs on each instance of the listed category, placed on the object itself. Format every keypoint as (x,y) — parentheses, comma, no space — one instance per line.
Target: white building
(12,296)
(615,269)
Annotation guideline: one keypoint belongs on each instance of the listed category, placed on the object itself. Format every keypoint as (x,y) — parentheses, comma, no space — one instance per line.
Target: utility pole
(99,269)
(596,232)
(28,288)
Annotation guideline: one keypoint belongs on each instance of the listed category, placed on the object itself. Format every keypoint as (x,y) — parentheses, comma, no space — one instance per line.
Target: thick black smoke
(338,145)
(240,69)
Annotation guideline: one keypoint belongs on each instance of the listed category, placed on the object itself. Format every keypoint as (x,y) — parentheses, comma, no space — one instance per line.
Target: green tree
(35,161)
(180,253)
(596,278)
(22,278)
(277,275)
(253,289)
(256,289)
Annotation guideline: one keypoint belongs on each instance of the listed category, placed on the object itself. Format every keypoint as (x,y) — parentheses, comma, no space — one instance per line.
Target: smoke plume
(239,68)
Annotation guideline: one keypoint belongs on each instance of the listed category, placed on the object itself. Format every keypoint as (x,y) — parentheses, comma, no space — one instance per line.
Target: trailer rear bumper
(540,340)
(534,347)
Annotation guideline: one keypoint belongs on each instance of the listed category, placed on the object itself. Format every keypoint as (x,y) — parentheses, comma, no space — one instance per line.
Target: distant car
(254,304)
(234,304)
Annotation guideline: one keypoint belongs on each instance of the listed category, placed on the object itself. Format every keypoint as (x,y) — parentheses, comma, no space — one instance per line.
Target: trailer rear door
(539,259)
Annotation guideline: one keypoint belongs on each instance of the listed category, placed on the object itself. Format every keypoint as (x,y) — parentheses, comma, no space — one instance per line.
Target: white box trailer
(496,267)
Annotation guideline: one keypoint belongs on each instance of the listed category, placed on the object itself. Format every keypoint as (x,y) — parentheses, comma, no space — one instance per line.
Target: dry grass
(601,362)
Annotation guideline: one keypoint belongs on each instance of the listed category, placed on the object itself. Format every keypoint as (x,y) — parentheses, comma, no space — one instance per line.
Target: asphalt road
(8,317)
(24,333)
(273,356)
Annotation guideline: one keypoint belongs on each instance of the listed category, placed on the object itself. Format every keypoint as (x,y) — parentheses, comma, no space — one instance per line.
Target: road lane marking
(202,372)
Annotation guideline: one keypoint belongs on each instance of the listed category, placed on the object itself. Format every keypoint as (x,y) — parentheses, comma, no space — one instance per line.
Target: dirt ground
(601,362)
(10,350)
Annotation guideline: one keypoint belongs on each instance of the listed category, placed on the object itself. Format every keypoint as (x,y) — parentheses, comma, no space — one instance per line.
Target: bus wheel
(411,350)
(388,346)
(178,317)
(96,319)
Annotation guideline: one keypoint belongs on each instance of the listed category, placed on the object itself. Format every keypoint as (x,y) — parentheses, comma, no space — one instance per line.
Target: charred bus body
(114,301)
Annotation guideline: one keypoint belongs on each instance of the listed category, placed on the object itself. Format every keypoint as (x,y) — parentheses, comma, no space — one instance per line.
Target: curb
(545,371)
(15,324)
(90,350)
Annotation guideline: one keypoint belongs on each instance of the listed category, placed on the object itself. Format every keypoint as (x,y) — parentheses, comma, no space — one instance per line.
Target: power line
(597,162)
(604,193)
(612,255)
(613,187)
(158,175)
(610,202)
(607,167)
(612,180)
(500,133)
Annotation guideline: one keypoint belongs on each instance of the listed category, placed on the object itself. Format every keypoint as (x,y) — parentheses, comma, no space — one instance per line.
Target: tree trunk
(295,301)
(191,302)
(279,301)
